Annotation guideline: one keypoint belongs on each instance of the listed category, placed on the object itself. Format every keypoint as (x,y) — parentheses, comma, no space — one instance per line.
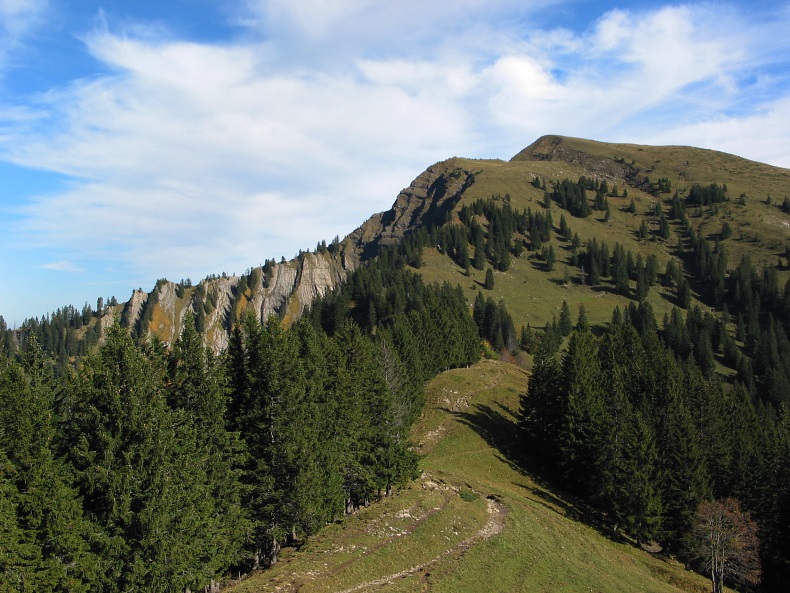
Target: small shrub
(468,496)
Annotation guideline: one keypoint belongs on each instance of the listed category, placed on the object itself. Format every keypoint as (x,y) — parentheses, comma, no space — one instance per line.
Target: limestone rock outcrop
(288,288)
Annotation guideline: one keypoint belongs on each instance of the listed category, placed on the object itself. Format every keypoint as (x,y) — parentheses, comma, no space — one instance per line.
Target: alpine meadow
(568,371)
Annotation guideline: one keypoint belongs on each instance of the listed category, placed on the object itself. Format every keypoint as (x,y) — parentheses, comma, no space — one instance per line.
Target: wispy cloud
(17,19)
(190,158)
(62,266)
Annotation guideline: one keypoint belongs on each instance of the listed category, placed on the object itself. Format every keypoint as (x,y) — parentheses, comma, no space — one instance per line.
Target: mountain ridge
(286,288)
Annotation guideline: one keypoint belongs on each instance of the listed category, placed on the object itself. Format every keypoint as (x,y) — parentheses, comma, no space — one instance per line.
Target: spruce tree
(626,466)
(684,293)
(642,512)
(642,286)
(582,324)
(581,436)
(550,258)
(317,497)
(133,457)
(542,411)
(489,281)
(566,323)
(54,548)
(197,386)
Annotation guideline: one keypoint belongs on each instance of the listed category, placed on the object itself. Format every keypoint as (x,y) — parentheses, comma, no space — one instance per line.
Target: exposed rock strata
(290,287)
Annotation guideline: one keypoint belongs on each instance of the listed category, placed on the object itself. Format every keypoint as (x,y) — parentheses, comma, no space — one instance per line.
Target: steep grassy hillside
(474,521)
(759,228)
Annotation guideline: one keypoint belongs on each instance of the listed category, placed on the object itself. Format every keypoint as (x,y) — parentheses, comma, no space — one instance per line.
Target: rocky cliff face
(285,289)
(288,288)
(427,201)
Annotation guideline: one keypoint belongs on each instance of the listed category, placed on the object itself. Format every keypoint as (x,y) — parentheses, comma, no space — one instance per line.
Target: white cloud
(62,266)
(194,158)
(16,16)
(201,145)
(17,19)
(380,23)
(633,73)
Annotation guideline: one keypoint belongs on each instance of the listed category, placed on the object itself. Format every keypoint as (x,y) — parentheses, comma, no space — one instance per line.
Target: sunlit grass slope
(474,521)
(759,227)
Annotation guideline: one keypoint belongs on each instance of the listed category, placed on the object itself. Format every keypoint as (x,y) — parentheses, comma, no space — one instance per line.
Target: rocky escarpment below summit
(285,289)
(429,200)
(288,288)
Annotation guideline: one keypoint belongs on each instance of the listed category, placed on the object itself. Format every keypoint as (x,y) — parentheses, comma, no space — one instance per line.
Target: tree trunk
(275,549)
(256,559)
(717,576)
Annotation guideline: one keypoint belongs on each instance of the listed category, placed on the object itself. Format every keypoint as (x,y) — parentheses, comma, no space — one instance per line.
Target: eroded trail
(380,545)
(495,524)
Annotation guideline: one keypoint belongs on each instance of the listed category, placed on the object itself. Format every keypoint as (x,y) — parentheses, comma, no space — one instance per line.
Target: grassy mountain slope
(532,295)
(474,521)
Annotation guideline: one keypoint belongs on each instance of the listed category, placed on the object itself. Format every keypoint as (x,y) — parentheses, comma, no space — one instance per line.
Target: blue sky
(141,140)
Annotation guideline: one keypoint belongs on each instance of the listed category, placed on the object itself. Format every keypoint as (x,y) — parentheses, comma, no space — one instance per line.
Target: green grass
(466,436)
(534,295)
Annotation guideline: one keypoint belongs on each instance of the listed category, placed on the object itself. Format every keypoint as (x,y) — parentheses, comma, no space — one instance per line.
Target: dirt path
(495,524)
(298,584)
(381,544)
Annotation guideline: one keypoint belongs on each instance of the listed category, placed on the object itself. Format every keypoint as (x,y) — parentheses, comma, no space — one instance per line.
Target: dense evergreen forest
(145,468)
(629,424)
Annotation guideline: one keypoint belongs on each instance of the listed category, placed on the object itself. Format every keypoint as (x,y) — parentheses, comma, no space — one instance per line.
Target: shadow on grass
(500,432)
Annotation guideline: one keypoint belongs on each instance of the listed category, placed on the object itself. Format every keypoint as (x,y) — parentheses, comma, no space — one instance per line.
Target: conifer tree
(642,512)
(272,392)
(565,321)
(478,310)
(621,277)
(542,411)
(49,535)
(684,475)
(626,471)
(550,258)
(133,457)
(642,286)
(581,435)
(197,386)
(685,294)
(582,324)
(489,281)
(317,497)
(20,559)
